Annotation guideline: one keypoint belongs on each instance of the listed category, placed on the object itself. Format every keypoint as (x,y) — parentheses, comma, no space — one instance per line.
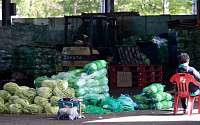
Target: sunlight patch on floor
(152,118)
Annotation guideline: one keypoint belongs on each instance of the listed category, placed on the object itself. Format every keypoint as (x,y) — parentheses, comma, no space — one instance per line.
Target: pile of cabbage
(78,83)
(16,99)
(154,97)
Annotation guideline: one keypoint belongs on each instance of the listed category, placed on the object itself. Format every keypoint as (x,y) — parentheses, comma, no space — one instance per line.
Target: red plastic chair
(182,80)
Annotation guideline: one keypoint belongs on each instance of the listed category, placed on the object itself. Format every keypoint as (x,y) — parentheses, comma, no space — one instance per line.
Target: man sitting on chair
(184,67)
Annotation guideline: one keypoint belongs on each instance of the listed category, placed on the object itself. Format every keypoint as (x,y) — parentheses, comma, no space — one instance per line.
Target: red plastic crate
(143,79)
(158,73)
(113,85)
(158,78)
(113,74)
(157,68)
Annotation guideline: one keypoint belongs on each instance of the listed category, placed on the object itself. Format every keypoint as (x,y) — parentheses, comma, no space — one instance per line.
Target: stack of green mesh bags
(154,97)
(16,99)
(91,79)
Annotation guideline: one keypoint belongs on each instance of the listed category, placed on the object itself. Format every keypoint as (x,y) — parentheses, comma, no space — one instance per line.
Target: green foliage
(52,8)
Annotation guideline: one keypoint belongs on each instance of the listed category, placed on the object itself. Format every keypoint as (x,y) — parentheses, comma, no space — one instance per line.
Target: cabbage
(51,109)
(69,92)
(6,106)
(83,107)
(2,107)
(49,83)
(15,109)
(41,101)
(28,94)
(62,84)
(23,87)
(45,92)
(12,98)
(21,101)
(38,81)
(58,92)
(32,108)
(54,100)
(5,94)
(11,87)
(2,100)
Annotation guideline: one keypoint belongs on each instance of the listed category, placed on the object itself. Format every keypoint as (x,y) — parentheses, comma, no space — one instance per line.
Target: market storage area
(95,68)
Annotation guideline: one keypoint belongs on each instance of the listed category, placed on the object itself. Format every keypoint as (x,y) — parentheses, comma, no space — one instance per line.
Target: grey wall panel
(138,25)
(157,24)
(177,17)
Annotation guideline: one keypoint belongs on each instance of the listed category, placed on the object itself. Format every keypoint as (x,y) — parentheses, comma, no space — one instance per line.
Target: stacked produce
(34,60)
(91,79)
(188,41)
(97,104)
(153,97)
(5,59)
(16,99)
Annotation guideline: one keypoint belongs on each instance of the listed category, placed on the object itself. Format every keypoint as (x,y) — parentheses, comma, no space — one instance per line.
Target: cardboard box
(124,79)
(78,51)
(66,63)
(75,63)
(81,63)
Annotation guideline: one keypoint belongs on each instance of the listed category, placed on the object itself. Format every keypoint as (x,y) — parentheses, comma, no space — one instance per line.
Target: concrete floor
(138,117)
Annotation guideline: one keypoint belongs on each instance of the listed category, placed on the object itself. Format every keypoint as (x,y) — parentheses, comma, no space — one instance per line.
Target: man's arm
(196,75)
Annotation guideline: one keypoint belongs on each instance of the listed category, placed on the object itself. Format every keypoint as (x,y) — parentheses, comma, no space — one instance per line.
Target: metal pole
(193,7)
(102,6)
(91,36)
(6,18)
(198,9)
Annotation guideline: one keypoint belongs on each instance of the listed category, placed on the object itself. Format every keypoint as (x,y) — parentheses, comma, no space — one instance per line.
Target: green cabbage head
(49,109)
(15,109)
(41,101)
(11,87)
(32,108)
(54,100)
(21,101)
(45,92)
(5,94)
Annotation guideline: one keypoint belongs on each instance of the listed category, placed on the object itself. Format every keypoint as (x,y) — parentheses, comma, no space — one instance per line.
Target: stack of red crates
(142,75)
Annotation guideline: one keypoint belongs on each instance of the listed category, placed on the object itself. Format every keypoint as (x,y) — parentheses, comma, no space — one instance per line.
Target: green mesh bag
(149,90)
(38,81)
(93,99)
(76,82)
(141,98)
(112,105)
(168,97)
(76,72)
(90,109)
(92,83)
(144,106)
(156,97)
(126,103)
(80,92)
(95,65)
(99,89)
(160,87)
(100,64)
(157,105)
(166,104)
(103,81)
(165,96)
